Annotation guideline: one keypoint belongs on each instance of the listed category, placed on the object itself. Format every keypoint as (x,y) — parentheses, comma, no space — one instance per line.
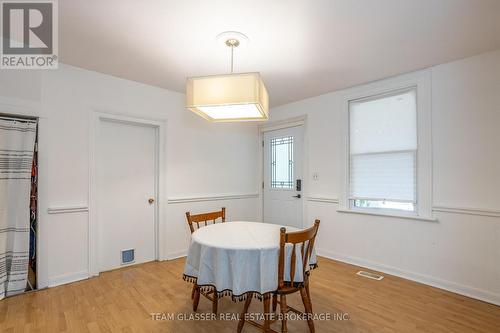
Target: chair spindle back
(305,239)
(204,218)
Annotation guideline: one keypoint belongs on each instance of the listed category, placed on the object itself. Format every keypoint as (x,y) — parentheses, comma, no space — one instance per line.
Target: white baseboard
(68,278)
(457,288)
(78,276)
(176,255)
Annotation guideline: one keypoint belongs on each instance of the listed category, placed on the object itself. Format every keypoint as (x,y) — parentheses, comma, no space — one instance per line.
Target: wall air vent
(369,275)
(128,256)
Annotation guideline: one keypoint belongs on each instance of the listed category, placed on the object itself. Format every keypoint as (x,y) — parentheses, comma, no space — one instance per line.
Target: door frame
(277,125)
(96,117)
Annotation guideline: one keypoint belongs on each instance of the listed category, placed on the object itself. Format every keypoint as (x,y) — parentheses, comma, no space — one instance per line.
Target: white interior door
(283,176)
(126,160)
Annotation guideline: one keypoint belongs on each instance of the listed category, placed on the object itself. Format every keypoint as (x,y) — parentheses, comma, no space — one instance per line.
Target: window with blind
(383,152)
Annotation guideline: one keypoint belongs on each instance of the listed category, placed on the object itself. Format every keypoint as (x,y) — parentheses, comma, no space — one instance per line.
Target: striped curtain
(17,143)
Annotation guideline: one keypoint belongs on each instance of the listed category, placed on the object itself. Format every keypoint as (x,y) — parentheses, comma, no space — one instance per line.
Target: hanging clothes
(32,272)
(17,143)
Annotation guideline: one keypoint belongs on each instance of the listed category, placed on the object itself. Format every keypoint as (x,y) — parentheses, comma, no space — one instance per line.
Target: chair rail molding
(212,198)
(443,208)
(68,209)
(466,210)
(323,199)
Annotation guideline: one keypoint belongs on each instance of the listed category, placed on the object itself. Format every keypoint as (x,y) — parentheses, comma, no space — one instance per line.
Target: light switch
(315,176)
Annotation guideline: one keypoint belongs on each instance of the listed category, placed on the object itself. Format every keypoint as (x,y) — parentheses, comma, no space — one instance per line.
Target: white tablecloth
(239,257)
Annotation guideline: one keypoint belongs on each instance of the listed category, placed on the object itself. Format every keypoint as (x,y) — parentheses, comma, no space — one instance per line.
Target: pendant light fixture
(228,97)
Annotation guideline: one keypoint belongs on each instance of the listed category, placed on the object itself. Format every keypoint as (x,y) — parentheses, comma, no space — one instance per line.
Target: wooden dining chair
(202,220)
(305,240)
(205,218)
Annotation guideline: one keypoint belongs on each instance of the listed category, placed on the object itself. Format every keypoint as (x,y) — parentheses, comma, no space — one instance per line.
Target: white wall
(460,251)
(203,159)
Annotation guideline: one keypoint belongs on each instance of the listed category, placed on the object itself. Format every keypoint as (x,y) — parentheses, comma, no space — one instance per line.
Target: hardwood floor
(123,300)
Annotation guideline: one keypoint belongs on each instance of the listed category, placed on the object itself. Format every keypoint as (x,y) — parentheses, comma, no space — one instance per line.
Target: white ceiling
(302,48)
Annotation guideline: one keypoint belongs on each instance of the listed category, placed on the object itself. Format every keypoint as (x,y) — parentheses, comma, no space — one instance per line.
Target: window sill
(400,216)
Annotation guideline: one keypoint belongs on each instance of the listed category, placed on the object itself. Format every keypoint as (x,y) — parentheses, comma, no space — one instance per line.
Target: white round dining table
(237,258)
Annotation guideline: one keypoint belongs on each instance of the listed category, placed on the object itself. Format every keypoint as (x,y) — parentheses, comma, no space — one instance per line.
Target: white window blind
(383,147)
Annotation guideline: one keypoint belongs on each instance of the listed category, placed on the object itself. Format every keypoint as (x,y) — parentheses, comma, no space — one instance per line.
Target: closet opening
(18,204)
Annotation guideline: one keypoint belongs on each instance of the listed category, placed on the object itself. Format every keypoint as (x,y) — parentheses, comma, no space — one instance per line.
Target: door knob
(297,196)
(151,201)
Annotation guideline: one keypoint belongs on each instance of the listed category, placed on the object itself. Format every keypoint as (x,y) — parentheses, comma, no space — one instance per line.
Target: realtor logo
(29,35)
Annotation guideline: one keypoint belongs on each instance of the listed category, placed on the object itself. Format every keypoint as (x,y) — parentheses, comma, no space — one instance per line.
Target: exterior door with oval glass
(283,176)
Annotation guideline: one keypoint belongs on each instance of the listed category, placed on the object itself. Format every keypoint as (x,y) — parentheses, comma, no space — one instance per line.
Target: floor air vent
(128,256)
(369,275)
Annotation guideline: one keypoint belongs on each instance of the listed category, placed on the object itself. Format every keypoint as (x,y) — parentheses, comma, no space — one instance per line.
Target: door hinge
(262,184)
(262,143)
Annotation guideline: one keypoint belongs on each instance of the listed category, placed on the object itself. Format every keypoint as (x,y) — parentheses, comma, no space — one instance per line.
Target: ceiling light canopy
(228,97)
